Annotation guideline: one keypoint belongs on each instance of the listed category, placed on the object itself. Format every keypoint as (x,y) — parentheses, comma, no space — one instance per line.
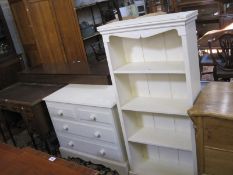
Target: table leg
(2,133)
(32,139)
(10,133)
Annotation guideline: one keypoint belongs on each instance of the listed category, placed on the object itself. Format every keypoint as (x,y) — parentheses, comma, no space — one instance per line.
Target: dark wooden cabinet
(209,12)
(49,31)
(213,123)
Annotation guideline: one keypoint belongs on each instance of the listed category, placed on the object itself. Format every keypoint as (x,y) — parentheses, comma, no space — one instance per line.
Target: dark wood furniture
(223,59)
(26,99)
(69,73)
(34,84)
(27,161)
(49,31)
(209,13)
(213,122)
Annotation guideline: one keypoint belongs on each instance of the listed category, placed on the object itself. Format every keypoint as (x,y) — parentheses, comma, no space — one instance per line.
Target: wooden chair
(223,58)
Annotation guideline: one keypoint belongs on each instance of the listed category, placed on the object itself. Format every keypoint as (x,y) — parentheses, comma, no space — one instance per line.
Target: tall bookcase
(155,71)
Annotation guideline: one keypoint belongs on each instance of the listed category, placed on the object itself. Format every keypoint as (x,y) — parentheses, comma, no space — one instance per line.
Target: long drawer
(111,153)
(85,114)
(218,133)
(94,115)
(218,162)
(85,130)
(61,110)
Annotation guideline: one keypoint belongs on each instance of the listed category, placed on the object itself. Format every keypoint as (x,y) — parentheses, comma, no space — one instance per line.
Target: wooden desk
(27,161)
(212,115)
(26,99)
(68,74)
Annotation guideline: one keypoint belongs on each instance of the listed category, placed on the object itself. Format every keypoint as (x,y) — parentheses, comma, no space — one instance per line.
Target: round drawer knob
(60,113)
(102,152)
(65,127)
(71,144)
(97,134)
(93,117)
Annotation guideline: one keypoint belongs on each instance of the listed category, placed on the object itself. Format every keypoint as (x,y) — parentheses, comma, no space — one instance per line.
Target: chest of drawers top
(87,95)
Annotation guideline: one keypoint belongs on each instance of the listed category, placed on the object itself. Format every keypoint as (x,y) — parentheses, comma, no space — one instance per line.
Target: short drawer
(61,110)
(218,133)
(218,162)
(111,153)
(84,130)
(94,114)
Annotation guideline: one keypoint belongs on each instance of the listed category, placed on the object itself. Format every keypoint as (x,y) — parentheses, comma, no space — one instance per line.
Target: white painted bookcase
(155,71)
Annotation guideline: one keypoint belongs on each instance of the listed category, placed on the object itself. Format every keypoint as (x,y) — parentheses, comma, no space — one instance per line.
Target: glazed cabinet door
(25,31)
(43,20)
(70,31)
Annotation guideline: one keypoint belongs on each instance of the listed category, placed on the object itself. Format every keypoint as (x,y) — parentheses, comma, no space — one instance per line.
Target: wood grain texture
(25,31)
(69,29)
(212,118)
(43,23)
(214,101)
(218,162)
(28,161)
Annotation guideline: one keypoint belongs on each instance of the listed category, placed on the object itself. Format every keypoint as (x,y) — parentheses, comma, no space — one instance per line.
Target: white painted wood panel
(85,130)
(157,105)
(153,63)
(90,148)
(163,137)
(175,67)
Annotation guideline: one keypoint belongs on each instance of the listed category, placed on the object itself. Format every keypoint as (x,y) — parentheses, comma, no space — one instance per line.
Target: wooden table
(26,99)
(14,161)
(212,115)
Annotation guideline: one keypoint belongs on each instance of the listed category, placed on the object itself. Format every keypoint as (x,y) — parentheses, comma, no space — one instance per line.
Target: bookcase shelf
(175,67)
(157,105)
(155,70)
(163,137)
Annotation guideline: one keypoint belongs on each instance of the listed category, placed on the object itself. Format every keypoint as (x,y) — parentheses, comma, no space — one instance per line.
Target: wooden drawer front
(61,110)
(90,148)
(218,133)
(93,132)
(218,162)
(94,115)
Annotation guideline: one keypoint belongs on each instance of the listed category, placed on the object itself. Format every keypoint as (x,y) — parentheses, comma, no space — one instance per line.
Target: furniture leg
(32,139)
(10,133)
(2,133)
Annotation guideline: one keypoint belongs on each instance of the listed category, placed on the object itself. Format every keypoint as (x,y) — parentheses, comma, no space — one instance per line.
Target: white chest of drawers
(85,119)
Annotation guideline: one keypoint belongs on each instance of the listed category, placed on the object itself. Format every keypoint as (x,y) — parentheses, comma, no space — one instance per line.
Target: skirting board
(121,168)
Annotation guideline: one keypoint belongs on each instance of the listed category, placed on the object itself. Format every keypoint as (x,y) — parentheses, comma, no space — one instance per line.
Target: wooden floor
(27,161)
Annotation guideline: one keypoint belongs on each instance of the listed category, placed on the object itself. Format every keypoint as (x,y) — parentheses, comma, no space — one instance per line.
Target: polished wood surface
(70,31)
(214,100)
(44,27)
(25,32)
(27,161)
(49,31)
(79,73)
(213,123)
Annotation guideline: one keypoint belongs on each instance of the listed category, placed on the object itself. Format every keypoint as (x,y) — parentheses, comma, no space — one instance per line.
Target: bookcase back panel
(159,159)
(152,85)
(138,120)
(164,47)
